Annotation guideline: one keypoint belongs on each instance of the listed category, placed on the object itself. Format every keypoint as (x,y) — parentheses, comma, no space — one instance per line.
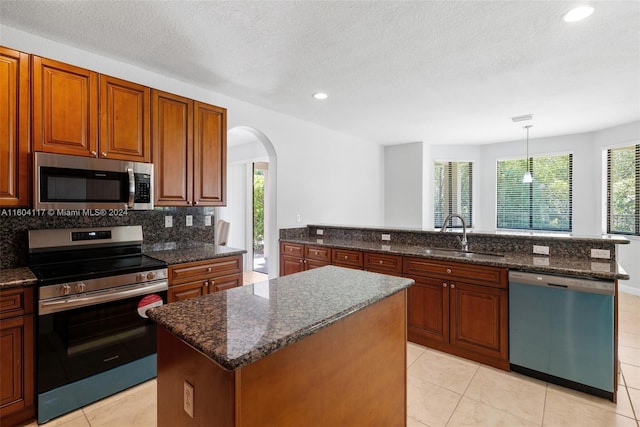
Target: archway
(247,146)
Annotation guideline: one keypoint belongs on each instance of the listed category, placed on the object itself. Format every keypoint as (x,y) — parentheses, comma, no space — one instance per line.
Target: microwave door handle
(132,188)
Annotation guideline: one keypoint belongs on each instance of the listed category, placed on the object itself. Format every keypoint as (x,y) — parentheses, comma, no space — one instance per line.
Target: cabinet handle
(189,203)
(290,249)
(208,269)
(103,154)
(301,261)
(444,284)
(346,257)
(94,154)
(449,270)
(453,286)
(381,262)
(206,283)
(195,203)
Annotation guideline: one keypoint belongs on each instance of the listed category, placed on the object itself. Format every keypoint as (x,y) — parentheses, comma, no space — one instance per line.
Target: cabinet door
(210,155)
(172,124)
(14,128)
(479,319)
(290,265)
(428,310)
(16,368)
(226,282)
(65,108)
(124,120)
(188,290)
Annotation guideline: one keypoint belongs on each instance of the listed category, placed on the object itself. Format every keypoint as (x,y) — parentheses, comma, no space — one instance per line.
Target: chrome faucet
(463,241)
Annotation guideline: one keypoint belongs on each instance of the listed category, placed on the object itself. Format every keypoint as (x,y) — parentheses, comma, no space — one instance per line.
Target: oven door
(78,337)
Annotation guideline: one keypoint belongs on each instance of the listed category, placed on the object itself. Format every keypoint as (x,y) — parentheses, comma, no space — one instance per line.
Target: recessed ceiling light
(320,95)
(578,14)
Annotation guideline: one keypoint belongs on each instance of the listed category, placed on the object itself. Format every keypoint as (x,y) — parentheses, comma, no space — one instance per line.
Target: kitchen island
(323,347)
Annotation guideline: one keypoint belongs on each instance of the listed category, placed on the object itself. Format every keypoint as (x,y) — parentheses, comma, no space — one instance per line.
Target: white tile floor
(444,390)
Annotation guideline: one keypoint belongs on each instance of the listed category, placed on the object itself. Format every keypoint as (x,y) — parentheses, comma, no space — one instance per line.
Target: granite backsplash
(14,243)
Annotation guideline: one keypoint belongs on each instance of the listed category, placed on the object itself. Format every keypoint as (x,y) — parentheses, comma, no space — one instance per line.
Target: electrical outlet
(189,220)
(188,399)
(207,220)
(601,253)
(319,231)
(168,221)
(297,217)
(386,237)
(541,250)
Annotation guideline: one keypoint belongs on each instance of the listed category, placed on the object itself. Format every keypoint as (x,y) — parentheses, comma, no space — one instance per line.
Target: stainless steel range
(93,336)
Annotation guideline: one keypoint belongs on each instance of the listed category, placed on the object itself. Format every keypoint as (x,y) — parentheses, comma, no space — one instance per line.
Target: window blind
(544,204)
(623,190)
(453,192)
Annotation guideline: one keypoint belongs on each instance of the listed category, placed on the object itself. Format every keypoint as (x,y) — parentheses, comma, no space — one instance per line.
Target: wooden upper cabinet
(172,123)
(125,130)
(189,151)
(210,155)
(65,108)
(14,128)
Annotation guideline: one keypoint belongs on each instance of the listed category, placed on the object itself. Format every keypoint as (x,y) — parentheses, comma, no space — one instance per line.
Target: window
(452,192)
(544,204)
(623,190)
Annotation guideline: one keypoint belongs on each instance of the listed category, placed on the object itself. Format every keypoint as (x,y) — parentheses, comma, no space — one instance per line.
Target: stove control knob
(151,275)
(80,287)
(65,289)
(140,277)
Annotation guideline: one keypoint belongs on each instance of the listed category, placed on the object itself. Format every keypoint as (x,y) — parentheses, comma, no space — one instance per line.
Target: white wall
(403,185)
(322,175)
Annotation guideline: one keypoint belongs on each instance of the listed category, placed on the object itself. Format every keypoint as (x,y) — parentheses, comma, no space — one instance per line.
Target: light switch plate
(541,250)
(386,237)
(168,221)
(189,220)
(601,253)
(207,220)
(188,399)
(297,217)
(319,231)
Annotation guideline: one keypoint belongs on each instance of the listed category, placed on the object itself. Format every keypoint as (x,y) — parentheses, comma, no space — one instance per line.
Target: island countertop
(242,325)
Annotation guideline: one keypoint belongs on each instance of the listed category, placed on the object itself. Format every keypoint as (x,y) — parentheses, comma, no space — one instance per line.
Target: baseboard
(629,289)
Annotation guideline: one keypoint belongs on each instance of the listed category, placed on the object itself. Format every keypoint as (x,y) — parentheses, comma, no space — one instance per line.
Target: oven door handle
(62,304)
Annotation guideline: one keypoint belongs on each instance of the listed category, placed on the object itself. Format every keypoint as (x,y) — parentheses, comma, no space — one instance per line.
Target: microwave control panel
(143,188)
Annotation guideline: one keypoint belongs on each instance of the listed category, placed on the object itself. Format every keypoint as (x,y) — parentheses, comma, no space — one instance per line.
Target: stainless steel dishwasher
(561,330)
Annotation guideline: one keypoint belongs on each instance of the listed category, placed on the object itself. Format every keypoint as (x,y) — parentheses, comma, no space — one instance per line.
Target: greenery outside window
(623,190)
(544,204)
(453,192)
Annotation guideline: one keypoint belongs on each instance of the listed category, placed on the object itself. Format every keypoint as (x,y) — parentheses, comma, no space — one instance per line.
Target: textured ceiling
(446,72)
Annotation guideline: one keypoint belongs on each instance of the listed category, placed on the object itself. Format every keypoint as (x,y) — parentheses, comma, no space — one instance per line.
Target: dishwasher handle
(569,283)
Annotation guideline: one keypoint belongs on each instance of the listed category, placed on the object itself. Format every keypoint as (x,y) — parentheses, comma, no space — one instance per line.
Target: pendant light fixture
(527,178)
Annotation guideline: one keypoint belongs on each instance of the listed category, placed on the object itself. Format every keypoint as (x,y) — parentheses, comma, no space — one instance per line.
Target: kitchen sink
(460,254)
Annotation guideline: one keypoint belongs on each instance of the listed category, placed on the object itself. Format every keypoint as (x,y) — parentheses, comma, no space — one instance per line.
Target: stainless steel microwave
(75,182)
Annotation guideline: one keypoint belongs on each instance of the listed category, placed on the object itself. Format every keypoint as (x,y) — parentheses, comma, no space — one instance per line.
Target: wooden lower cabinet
(383,263)
(465,319)
(347,258)
(17,381)
(295,257)
(194,279)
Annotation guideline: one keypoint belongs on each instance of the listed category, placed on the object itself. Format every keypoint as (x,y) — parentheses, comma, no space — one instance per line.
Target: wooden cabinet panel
(428,314)
(347,258)
(172,122)
(383,263)
(290,265)
(65,108)
(187,291)
(310,264)
(480,319)
(210,155)
(17,380)
(292,249)
(319,253)
(14,128)
(125,132)
(225,282)
(470,273)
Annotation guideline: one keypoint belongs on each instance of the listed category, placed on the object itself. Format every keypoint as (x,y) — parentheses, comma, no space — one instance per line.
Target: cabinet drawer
(347,258)
(292,249)
(382,263)
(182,273)
(226,282)
(319,253)
(470,273)
(16,302)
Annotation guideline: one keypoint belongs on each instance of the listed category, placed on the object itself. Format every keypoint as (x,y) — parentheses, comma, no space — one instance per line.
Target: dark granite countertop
(565,265)
(242,325)
(180,252)
(15,277)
